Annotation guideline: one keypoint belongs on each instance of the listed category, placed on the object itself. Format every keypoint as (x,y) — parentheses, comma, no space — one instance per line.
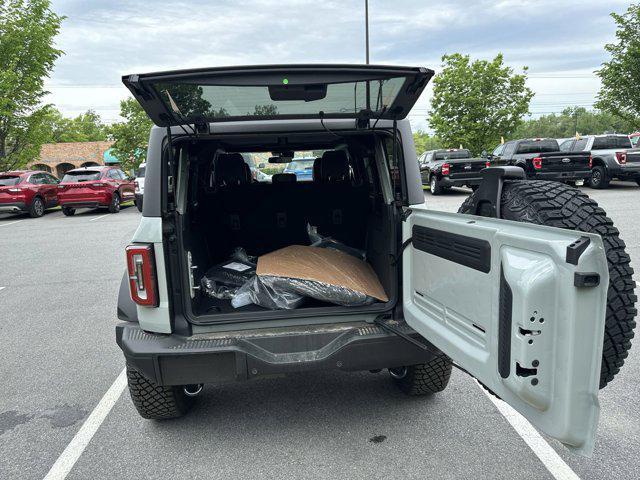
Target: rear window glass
(453,155)
(6,180)
(141,172)
(610,142)
(81,176)
(300,165)
(538,146)
(217,101)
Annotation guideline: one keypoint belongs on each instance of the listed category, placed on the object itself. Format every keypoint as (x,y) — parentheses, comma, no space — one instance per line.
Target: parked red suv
(30,191)
(93,187)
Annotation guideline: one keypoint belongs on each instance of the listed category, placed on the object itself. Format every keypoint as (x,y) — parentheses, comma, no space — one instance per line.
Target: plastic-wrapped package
(223,280)
(318,240)
(285,277)
(261,292)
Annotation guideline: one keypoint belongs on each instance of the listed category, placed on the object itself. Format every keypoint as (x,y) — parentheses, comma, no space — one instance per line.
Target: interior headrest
(333,167)
(284,178)
(230,169)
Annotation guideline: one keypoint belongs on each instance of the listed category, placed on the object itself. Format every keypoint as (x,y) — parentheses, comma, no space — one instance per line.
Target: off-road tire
(114,206)
(154,401)
(37,208)
(426,378)
(434,185)
(69,212)
(554,204)
(599,178)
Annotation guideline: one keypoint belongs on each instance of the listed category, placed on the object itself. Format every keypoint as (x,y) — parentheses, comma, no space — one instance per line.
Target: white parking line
(547,455)
(98,218)
(2,288)
(71,454)
(10,223)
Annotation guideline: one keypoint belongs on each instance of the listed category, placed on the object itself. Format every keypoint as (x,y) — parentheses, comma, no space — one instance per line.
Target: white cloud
(105,39)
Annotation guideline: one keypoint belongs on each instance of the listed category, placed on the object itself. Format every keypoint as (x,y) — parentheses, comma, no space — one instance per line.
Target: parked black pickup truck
(441,169)
(542,159)
(632,158)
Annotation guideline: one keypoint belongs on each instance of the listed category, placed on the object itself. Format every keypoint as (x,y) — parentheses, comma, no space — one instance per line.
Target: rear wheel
(154,401)
(434,185)
(638,181)
(424,379)
(138,202)
(37,208)
(599,177)
(68,211)
(114,206)
(556,205)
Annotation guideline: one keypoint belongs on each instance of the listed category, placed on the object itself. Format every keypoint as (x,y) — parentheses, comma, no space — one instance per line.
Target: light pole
(366,29)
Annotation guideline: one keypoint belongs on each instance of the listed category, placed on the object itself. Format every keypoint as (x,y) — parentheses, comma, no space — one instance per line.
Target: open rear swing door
(521,307)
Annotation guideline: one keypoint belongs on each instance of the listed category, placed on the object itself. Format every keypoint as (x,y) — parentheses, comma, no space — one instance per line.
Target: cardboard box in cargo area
(324,265)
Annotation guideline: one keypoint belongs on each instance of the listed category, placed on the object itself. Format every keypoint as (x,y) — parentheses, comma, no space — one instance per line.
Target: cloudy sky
(561,41)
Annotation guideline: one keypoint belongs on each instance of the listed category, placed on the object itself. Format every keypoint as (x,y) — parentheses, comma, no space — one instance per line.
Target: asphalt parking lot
(59,279)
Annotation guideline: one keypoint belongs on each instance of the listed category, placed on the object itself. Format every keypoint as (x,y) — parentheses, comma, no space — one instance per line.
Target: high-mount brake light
(143,284)
(621,157)
(537,163)
(446,168)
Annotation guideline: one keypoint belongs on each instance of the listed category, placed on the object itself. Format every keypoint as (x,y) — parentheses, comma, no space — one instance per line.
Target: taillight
(590,161)
(621,157)
(143,284)
(487,164)
(445,169)
(537,163)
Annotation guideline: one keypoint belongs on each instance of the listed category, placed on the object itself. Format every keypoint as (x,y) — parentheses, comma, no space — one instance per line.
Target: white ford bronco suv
(528,288)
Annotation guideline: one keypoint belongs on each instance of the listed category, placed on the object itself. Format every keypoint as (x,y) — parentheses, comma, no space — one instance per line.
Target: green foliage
(570,121)
(86,127)
(620,76)
(423,142)
(131,137)
(475,103)
(27,56)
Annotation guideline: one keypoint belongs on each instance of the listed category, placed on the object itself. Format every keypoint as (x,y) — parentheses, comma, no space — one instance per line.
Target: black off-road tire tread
(557,205)
(156,402)
(426,378)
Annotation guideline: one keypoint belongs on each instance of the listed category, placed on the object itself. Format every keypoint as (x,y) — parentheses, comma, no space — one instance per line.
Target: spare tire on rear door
(558,205)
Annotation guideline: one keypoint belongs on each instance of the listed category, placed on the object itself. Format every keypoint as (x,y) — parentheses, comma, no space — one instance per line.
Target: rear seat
(340,207)
(265,217)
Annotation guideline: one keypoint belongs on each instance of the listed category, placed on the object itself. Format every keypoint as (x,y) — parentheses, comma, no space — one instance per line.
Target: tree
(423,142)
(86,127)
(572,120)
(620,76)
(131,137)
(27,56)
(476,103)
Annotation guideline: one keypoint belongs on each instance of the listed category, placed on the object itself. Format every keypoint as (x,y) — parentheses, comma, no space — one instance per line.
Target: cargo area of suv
(221,207)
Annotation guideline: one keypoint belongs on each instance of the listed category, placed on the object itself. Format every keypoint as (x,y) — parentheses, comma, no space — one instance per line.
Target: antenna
(366,29)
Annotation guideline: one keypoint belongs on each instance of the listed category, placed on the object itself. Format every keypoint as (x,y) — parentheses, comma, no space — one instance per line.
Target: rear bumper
(561,176)
(175,360)
(99,199)
(629,171)
(460,182)
(82,204)
(13,207)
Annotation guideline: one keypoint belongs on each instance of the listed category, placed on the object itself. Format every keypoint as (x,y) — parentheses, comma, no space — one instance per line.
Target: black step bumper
(570,176)
(176,360)
(460,181)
